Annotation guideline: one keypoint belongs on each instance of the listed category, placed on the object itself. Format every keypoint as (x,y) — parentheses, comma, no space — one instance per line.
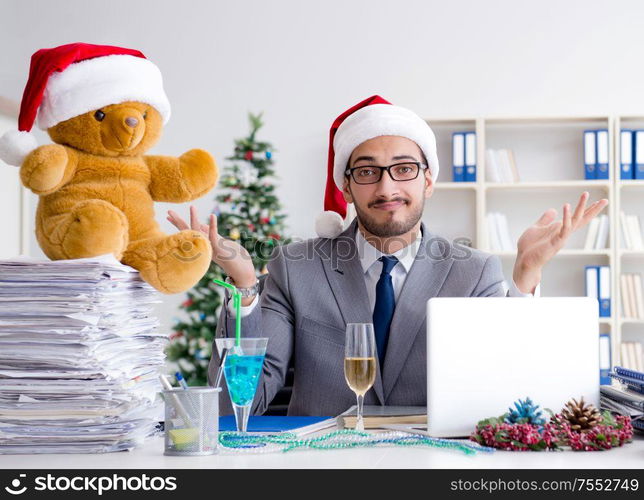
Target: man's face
(388,207)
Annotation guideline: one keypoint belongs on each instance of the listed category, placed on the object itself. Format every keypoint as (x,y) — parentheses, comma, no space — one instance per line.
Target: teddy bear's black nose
(131,121)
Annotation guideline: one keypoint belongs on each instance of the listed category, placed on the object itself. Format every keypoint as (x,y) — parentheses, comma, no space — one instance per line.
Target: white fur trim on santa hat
(15,146)
(329,224)
(94,83)
(377,120)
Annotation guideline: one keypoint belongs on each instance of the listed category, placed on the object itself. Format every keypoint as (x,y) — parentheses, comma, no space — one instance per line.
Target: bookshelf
(549,158)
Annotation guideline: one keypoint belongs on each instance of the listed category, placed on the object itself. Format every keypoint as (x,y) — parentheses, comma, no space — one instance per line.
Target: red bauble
(248,156)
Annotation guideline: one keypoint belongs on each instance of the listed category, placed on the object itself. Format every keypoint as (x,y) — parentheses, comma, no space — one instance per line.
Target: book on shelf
(376,416)
(499,233)
(630,285)
(631,231)
(597,235)
(631,355)
(500,166)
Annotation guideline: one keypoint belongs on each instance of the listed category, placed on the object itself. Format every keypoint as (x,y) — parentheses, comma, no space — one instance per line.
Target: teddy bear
(104,107)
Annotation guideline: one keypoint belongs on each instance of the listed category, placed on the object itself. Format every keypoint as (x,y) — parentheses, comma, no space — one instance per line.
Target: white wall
(302,63)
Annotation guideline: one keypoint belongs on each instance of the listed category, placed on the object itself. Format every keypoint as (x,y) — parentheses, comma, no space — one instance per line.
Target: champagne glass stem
(359,421)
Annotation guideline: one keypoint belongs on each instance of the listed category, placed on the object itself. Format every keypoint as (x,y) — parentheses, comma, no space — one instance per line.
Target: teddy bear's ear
(15,145)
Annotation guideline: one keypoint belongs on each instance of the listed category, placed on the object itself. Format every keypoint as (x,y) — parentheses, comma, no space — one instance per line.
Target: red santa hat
(73,79)
(373,117)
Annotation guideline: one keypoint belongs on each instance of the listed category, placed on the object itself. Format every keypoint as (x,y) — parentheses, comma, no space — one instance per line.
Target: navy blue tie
(384,308)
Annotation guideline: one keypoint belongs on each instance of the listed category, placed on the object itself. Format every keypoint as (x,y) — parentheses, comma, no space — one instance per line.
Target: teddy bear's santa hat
(73,79)
(373,117)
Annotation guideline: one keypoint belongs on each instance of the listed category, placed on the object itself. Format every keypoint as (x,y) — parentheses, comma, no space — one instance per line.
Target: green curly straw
(237,306)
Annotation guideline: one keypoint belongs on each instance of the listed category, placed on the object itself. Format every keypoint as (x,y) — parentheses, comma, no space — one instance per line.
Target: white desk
(150,456)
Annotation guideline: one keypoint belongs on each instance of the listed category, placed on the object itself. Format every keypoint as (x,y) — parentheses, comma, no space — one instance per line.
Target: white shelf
(547,185)
(634,321)
(630,183)
(564,252)
(455,185)
(630,253)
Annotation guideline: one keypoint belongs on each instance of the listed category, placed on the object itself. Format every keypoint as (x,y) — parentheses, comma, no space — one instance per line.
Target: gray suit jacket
(315,287)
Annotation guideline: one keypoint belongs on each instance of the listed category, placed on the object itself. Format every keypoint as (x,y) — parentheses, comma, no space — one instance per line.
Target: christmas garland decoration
(579,426)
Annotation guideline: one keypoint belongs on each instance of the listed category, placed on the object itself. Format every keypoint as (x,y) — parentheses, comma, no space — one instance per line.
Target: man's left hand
(541,241)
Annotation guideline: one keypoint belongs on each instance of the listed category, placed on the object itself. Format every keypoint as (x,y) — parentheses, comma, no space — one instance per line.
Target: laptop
(484,353)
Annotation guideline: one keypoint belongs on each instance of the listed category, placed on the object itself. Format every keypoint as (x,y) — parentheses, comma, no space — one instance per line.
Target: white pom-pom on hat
(329,224)
(15,145)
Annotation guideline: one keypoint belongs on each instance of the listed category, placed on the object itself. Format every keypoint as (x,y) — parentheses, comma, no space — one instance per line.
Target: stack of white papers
(80,355)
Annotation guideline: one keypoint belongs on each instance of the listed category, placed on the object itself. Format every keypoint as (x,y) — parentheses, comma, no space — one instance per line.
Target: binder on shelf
(590,154)
(601,167)
(470,156)
(626,154)
(604,359)
(638,167)
(604,291)
(592,282)
(458,156)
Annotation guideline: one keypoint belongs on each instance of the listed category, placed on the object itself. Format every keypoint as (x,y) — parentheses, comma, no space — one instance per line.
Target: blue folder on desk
(269,423)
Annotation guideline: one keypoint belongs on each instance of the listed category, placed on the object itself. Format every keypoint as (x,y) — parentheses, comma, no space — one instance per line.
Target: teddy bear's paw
(171,264)
(199,171)
(44,168)
(95,227)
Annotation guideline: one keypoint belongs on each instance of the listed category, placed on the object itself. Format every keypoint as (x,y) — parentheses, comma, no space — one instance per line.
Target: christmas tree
(248,212)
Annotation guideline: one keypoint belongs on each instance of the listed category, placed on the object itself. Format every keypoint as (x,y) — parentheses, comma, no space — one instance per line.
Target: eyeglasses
(370,174)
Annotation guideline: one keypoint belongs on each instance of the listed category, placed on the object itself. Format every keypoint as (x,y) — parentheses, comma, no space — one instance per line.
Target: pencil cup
(191,421)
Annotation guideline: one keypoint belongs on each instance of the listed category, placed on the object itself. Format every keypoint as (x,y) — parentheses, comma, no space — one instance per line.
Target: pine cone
(581,415)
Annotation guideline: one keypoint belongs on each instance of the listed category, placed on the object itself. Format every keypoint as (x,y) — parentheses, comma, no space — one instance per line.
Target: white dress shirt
(372,268)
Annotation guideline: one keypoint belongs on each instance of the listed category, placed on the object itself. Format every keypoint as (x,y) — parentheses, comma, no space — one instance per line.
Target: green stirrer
(237,306)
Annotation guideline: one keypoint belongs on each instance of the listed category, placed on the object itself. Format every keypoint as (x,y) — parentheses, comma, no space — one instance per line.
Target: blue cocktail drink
(242,370)
(242,374)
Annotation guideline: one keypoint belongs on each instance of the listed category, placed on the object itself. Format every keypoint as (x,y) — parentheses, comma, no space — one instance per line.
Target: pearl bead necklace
(236,442)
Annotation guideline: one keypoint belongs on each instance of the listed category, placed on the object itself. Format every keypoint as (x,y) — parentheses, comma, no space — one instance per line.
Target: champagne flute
(360,363)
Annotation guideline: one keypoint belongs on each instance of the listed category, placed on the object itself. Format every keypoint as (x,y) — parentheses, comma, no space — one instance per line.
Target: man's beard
(391,227)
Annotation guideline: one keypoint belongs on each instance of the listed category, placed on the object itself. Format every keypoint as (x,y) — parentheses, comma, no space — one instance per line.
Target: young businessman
(382,269)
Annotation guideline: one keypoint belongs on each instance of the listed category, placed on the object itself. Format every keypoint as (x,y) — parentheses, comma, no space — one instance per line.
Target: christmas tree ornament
(525,412)
(234,234)
(582,416)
